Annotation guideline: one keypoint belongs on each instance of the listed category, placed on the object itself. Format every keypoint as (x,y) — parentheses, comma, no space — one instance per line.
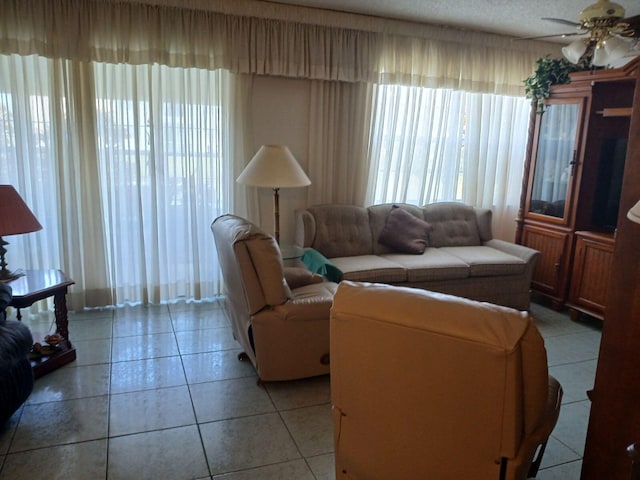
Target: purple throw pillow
(405,232)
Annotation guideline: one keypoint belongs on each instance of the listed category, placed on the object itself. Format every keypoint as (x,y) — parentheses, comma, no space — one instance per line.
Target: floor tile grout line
(564,444)
(191,401)
(291,436)
(110,389)
(6,454)
(550,467)
(572,363)
(56,445)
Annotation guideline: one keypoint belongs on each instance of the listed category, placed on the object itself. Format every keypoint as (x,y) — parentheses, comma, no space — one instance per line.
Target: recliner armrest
(310,301)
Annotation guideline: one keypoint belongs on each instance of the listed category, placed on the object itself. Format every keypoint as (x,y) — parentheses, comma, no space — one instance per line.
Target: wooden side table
(38,285)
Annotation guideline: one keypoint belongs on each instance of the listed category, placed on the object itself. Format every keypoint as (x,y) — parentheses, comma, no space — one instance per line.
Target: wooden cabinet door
(550,274)
(555,156)
(592,267)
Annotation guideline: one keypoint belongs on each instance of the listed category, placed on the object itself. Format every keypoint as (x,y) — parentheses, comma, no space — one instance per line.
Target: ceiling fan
(606,34)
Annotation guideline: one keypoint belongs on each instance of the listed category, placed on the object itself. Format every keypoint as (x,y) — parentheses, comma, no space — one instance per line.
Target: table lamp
(274,166)
(15,218)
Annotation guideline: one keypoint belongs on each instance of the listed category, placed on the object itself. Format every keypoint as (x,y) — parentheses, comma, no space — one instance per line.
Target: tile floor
(158,393)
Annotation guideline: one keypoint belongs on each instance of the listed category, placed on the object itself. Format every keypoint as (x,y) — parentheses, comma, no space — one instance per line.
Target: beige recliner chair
(283,331)
(431,386)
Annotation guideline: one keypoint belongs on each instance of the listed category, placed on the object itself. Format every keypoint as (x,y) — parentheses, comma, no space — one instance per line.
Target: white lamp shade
(274,166)
(634,213)
(574,50)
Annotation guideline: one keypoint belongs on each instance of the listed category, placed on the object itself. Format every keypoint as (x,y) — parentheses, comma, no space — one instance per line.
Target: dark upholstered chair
(16,377)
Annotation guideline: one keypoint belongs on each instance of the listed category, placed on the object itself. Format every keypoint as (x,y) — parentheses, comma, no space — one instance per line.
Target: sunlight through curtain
(555,151)
(125,167)
(433,145)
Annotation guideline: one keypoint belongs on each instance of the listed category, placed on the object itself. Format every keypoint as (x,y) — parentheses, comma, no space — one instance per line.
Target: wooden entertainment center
(571,189)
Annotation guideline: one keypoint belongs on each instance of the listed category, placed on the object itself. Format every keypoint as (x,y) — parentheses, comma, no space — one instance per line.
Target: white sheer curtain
(27,152)
(554,156)
(166,172)
(125,167)
(433,145)
(121,159)
(50,165)
(339,120)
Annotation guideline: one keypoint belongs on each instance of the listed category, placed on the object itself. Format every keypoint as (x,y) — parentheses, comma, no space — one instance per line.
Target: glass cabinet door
(555,157)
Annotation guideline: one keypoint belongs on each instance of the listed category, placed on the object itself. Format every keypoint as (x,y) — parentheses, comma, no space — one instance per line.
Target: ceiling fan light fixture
(602,9)
(600,57)
(617,48)
(574,51)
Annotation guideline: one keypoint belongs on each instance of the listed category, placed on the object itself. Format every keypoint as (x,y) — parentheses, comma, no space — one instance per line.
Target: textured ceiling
(509,17)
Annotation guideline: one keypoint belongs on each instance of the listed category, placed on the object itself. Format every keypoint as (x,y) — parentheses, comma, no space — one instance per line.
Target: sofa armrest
(527,254)
(305,228)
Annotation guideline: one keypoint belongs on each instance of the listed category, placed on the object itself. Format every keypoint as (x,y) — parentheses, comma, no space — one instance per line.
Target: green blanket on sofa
(318,263)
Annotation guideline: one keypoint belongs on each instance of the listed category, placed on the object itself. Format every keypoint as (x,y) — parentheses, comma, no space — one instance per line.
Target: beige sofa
(461,256)
(442,388)
(280,316)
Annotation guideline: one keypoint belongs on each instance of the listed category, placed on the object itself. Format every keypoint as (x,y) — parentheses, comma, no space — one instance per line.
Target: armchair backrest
(252,270)
(427,385)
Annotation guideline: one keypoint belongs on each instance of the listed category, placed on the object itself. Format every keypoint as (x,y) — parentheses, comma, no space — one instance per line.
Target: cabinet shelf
(615,112)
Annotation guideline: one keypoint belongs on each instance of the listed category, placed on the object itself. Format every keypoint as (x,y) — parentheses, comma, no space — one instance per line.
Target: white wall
(280,115)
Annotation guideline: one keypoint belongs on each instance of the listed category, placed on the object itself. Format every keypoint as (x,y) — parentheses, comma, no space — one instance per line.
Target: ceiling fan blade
(631,26)
(635,20)
(562,20)
(572,34)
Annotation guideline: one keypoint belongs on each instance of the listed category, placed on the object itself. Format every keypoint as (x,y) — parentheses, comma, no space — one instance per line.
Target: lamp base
(276,214)
(6,275)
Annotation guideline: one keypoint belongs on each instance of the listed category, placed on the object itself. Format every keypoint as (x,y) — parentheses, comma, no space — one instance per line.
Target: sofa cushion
(342,230)
(487,261)
(404,232)
(452,224)
(433,264)
(370,268)
(378,215)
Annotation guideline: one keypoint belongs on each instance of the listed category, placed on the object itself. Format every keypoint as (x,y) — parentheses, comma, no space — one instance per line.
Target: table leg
(60,311)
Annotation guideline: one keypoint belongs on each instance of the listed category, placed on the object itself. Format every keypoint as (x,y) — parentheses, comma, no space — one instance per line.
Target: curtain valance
(88,30)
(460,65)
(140,33)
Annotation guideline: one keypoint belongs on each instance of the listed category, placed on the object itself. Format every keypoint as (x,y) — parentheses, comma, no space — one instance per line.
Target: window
(432,145)
(126,181)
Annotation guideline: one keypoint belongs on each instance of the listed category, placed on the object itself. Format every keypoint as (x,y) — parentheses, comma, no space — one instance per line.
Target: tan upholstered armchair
(427,385)
(284,331)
